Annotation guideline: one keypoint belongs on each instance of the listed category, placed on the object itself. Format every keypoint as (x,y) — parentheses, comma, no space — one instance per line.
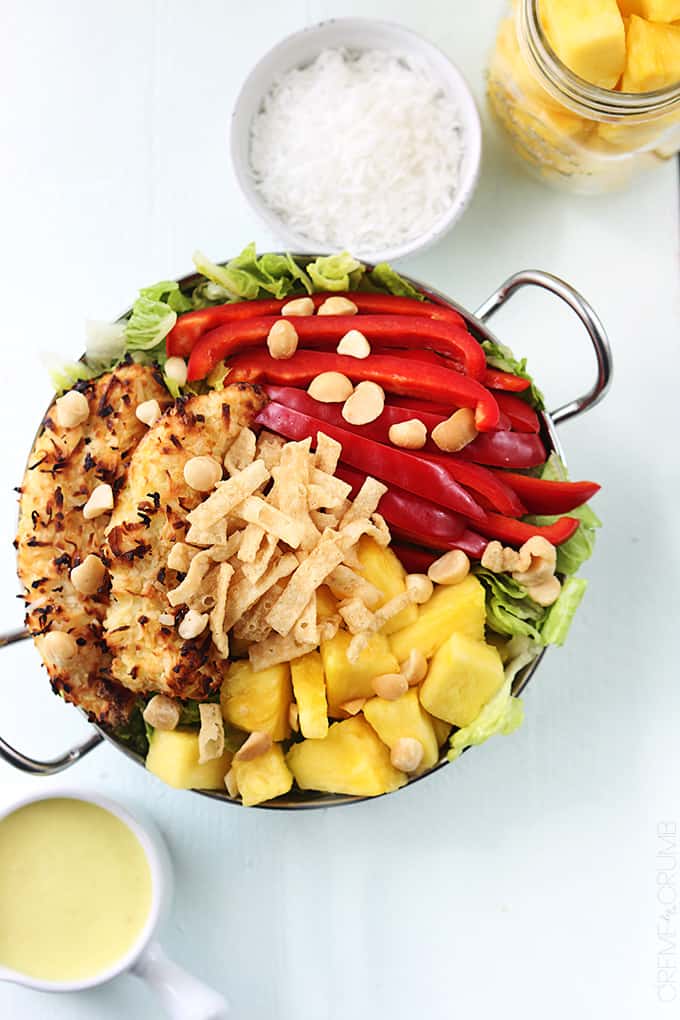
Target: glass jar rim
(577,93)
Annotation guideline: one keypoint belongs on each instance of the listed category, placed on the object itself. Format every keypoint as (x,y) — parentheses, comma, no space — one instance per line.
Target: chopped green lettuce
(335,272)
(384,278)
(501,357)
(247,277)
(561,613)
(105,343)
(573,553)
(65,374)
(509,610)
(503,713)
(149,324)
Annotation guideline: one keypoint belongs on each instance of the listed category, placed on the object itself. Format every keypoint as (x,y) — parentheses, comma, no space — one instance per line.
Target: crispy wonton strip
(227,495)
(211,733)
(380,618)
(303,584)
(347,584)
(327,453)
(256,511)
(276,649)
(219,635)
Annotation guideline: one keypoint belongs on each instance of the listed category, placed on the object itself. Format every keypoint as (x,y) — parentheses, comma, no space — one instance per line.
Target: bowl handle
(31,765)
(587,315)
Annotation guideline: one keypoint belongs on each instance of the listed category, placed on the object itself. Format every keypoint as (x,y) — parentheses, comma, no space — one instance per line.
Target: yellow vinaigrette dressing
(75,889)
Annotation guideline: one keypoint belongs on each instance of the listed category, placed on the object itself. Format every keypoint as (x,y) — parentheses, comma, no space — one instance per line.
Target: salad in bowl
(293,525)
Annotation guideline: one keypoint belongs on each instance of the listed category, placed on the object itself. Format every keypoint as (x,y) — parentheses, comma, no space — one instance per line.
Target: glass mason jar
(568,132)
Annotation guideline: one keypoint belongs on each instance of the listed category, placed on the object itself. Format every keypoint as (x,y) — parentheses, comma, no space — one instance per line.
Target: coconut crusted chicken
(85,445)
(151,650)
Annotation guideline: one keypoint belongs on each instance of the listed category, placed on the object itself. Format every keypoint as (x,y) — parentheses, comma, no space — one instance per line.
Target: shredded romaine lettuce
(561,613)
(501,357)
(386,279)
(573,553)
(105,343)
(335,272)
(65,374)
(509,610)
(149,324)
(247,277)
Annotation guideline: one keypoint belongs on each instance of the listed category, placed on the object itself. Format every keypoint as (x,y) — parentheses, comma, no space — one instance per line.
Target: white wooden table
(523,881)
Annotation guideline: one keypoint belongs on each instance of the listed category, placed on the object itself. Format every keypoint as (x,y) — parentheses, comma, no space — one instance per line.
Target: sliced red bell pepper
(393,374)
(505,449)
(417,559)
(472,544)
(426,411)
(418,354)
(511,532)
(494,492)
(390,465)
(411,515)
(542,496)
(522,417)
(327,330)
(413,559)
(191,326)
(497,380)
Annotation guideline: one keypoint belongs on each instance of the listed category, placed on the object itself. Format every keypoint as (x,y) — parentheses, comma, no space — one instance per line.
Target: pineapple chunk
(442,730)
(264,777)
(652,10)
(173,757)
(463,676)
(381,568)
(458,608)
(258,701)
(309,688)
(404,717)
(588,36)
(653,56)
(347,680)
(352,760)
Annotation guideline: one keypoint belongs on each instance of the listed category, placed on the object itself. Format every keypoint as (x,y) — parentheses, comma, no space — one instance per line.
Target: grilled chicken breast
(149,517)
(53,536)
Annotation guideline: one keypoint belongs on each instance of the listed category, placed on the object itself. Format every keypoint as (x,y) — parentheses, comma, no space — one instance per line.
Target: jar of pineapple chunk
(589,93)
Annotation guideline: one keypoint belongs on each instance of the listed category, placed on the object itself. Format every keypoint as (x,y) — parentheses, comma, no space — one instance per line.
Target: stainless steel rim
(477,323)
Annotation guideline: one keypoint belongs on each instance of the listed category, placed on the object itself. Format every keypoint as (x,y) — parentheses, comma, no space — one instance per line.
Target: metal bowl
(477,323)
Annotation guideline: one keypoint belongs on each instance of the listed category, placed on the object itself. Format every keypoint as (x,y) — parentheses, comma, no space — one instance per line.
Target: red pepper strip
(425,410)
(411,515)
(191,326)
(505,449)
(327,330)
(394,466)
(496,494)
(393,374)
(496,380)
(476,478)
(412,559)
(472,544)
(417,559)
(418,354)
(522,417)
(541,496)
(512,532)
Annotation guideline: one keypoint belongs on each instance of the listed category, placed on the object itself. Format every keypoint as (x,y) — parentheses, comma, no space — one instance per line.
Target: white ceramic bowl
(182,996)
(356,34)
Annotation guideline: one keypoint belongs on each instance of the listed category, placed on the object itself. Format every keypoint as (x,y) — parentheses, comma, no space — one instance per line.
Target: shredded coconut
(357,150)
